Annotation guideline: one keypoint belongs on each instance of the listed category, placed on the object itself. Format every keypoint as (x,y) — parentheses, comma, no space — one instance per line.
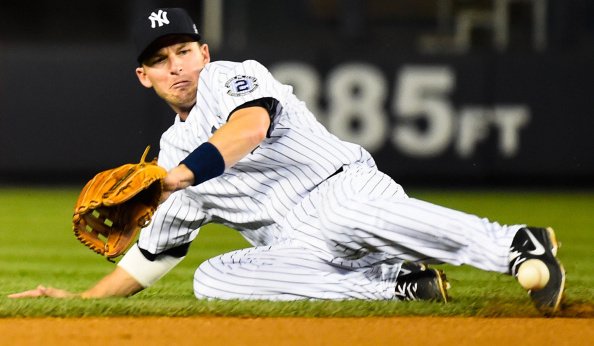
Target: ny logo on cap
(158,18)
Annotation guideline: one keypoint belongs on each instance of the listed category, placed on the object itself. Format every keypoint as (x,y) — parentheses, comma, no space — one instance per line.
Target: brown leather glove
(116,204)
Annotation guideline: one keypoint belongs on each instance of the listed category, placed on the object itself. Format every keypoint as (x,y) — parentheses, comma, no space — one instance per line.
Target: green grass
(37,247)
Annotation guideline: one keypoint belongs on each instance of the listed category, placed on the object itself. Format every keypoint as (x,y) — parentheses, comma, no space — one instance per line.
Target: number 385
(357,93)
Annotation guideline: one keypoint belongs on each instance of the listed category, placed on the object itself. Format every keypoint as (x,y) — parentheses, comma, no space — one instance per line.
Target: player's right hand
(176,179)
(42,291)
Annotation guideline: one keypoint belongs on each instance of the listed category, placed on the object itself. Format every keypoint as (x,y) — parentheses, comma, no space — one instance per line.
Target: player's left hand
(42,291)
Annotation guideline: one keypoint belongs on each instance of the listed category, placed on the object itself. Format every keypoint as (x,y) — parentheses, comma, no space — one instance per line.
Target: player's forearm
(116,284)
(244,131)
(242,134)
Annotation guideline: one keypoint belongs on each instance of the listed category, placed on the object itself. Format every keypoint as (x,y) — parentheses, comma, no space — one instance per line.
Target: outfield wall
(69,111)
(480,117)
(70,104)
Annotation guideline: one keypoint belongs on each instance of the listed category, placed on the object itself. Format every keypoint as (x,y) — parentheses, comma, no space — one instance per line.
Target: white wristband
(144,271)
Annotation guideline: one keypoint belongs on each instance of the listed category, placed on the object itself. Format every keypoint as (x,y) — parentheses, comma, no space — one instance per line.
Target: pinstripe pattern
(285,272)
(361,212)
(341,237)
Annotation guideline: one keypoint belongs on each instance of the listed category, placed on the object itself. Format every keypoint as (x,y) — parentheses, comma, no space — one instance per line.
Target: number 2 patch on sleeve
(241,85)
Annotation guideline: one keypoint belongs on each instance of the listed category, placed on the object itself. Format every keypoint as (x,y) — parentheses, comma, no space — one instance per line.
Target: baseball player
(323,221)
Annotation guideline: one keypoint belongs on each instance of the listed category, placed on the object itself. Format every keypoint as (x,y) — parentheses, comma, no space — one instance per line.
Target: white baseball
(533,274)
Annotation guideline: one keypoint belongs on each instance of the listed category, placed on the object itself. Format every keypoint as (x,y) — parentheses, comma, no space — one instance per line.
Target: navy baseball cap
(161,22)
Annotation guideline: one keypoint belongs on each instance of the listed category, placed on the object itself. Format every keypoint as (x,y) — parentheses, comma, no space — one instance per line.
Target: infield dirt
(297,331)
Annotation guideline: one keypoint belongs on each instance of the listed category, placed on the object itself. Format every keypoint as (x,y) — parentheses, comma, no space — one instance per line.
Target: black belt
(335,173)
(330,176)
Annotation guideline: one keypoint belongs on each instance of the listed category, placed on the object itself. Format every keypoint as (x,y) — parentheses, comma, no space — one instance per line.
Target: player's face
(173,72)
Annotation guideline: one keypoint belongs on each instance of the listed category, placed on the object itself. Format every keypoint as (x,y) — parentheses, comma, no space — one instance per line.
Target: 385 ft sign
(425,123)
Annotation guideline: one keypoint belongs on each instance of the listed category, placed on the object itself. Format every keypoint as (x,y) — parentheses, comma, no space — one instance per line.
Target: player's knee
(200,288)
(209,281)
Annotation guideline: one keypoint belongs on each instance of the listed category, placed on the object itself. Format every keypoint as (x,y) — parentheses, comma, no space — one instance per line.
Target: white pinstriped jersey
(316,235)
(263,187)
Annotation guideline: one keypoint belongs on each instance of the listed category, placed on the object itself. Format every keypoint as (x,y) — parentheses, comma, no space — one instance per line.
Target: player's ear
(143,78)
(205,52)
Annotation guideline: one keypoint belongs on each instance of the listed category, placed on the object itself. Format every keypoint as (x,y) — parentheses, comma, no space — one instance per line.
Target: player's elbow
(249,126)
(259,129)
(260,134)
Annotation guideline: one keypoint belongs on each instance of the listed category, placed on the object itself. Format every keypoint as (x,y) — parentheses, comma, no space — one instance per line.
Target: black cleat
(418,282)
(540,244)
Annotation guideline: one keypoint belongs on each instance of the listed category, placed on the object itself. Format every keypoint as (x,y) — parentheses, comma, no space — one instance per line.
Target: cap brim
(166,40)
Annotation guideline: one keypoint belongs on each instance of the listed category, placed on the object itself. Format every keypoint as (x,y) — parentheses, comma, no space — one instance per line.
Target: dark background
(70,104)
